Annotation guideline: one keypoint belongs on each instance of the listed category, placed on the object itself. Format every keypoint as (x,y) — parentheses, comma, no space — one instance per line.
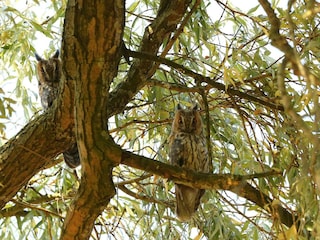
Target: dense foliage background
(253,70)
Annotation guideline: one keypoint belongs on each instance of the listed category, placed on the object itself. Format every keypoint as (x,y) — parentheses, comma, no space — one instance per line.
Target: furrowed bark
(92,47)
(91,53)
(234,183)
(50,134)
(169,16)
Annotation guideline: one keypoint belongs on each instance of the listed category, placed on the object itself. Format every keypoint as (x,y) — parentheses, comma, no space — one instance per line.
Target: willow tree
(126,66)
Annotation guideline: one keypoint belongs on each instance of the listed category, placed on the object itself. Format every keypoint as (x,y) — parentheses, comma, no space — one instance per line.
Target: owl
(188,149)
(49,74)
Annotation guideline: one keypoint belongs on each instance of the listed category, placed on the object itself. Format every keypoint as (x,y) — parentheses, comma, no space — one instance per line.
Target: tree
(125,68)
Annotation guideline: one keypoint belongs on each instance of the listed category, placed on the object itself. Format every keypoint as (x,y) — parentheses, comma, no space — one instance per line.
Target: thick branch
(169,16)
(50,134)
(94,30)
(33,147)
(234,183)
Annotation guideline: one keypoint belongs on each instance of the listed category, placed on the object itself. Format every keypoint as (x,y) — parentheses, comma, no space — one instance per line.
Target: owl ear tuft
(56,54)
(179,107)
(38,57)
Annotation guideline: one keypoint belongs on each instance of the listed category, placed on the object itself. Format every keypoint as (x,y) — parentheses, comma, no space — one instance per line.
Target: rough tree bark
(92,46)
(35,145)
(91,54)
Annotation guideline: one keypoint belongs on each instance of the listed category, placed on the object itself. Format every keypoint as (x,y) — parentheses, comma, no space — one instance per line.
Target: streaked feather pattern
(188,149)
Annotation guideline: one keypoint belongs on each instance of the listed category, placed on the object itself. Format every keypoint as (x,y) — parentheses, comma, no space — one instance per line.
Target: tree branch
(282,44)
(174,86)
(92,58)
(53,132)
(31,149)
(169,16)
(200,78)
(234,183)
(144,198)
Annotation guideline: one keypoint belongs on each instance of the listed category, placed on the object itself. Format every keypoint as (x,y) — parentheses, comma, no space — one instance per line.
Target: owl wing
(177,150)
(187,201)
(189,151)
(71,156)
(181,154)
(45,93)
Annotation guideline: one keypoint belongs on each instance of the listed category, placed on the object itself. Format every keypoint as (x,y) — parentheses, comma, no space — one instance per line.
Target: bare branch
(282,44)
(143,197)
(200,78)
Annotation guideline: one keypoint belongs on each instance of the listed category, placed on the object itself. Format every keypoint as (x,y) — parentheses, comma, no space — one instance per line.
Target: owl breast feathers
(188,149)
(49,74)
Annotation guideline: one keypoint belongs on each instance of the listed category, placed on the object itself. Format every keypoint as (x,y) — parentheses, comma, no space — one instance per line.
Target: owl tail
(187,201)
(71,156)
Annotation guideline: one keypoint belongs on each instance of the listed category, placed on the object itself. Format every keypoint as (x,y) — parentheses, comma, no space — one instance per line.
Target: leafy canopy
(260,103)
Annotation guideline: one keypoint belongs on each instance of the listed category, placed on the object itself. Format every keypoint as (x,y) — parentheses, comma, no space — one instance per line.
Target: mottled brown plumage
(49,74)
(188,149)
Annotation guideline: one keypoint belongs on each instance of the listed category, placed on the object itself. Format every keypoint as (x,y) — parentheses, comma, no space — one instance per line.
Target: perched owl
(188,149)
(49,74)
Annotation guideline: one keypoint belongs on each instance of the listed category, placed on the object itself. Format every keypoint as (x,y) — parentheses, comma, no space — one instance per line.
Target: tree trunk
(91,51)
(92,43)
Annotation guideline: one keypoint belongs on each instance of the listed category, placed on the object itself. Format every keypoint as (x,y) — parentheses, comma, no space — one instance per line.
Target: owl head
(187,120)
(49,70)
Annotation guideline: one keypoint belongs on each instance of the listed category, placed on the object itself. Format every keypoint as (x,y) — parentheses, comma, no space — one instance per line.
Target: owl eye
(180,120)
(43,69)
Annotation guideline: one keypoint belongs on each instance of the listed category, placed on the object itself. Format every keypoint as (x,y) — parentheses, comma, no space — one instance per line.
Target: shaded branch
(178,31)
(200,78)
(91,60)
(174,86)
(169,16)
(280,42)
(134,122)
(234,183)
(144,197)
(135,180)
(22,205)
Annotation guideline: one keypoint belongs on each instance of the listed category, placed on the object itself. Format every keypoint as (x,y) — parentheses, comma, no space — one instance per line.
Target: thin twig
(202,78)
